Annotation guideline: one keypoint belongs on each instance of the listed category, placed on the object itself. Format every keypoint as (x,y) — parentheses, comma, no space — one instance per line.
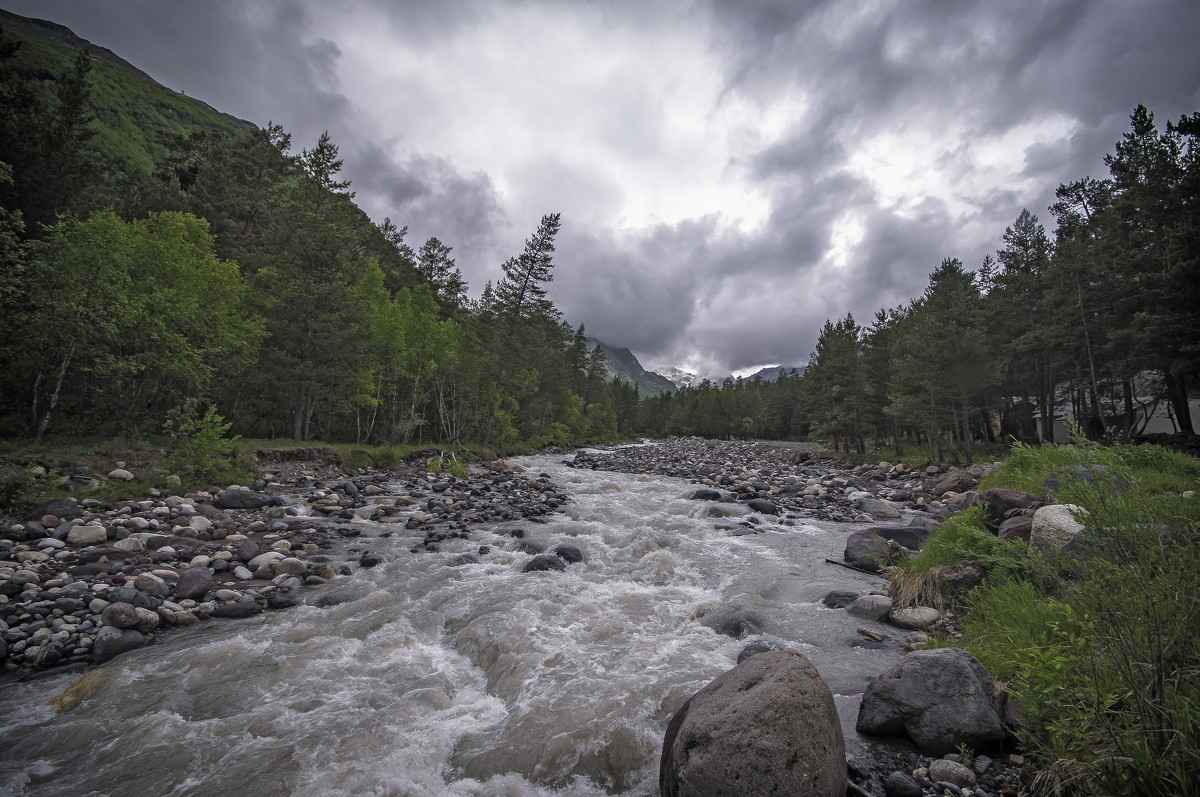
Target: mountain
(624,365)
(133,111)
(771,373)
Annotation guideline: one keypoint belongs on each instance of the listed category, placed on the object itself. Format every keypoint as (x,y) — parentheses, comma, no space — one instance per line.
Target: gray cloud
(827,154)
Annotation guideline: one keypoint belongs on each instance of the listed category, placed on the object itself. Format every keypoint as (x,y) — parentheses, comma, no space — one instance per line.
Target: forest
(230,271)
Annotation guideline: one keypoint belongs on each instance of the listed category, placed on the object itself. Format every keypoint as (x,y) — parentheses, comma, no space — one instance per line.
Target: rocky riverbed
(81,583)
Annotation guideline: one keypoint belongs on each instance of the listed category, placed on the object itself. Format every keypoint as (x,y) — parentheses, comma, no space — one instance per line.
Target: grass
(1102,650)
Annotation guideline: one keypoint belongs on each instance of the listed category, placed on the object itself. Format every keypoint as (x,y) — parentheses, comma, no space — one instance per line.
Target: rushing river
(475,679)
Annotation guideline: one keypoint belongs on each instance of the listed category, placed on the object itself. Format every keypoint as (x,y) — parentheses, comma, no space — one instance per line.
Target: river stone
(147,620)
(704,494)
(263,559)
(193,583)
(901,784)
(150,584)
(763,506)
(568,553)
(915,617)
(839,598)
(755,648)
(877,507)
(243,607)
(768,726)
(242,573)
(866,550)
(940,698)
(120,615)
(59,508)
(1001,503)
(544,561)
(955,481)
(112,642)
(120,473)
(1054,526)
(129,545)
(951,772)
(735,621)
(88,534)
(239,499)
(290,566)
(871,607)
(1016,528)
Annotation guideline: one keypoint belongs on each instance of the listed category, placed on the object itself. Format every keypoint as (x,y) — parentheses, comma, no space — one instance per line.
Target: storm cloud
(730,173)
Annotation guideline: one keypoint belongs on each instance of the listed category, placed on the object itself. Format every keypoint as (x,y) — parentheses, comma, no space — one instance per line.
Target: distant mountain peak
(623,364)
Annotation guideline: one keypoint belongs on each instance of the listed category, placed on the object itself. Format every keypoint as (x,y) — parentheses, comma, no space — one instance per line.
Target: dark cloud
(975,110)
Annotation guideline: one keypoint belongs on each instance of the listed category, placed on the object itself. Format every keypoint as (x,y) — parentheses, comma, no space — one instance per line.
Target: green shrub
(24,489)
(200,441)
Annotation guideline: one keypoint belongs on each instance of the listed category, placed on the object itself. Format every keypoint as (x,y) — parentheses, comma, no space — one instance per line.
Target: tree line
(241,274)
(1101,322)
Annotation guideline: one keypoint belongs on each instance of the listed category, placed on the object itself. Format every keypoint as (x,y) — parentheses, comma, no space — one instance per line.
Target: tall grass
(1101,648)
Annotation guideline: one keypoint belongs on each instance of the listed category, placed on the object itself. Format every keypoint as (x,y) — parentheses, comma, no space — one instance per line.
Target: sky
(730,173)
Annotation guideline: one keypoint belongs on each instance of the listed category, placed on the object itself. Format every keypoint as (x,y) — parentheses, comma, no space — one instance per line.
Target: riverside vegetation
(1099,650)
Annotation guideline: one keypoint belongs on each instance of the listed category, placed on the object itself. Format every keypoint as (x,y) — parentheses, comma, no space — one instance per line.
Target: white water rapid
(476,679)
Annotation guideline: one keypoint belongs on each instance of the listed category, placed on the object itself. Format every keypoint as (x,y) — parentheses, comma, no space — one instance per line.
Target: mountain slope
(624,365)
(132,109)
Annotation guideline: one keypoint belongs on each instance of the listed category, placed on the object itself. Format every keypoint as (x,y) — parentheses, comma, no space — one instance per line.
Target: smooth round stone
(130,544)
(227,595)
(200,523)
(200,561)
(87,534)
(137,523)
(915,617)
(51,542)
(120,473)
(264,559)
(951,772)
(24,577)
(871,607)
(242,574)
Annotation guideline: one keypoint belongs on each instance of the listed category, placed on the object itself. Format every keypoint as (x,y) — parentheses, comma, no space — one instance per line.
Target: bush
(24,489)
(200,441)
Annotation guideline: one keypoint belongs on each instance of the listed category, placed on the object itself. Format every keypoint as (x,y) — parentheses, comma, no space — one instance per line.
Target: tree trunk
(1127,389)
(966,427)
(1177,395)
(62,373)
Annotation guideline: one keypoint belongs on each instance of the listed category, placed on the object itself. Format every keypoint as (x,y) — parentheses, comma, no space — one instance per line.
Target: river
(439,679)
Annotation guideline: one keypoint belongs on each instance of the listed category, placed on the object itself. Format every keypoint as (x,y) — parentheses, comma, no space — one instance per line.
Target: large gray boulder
(1055,526)
(112,642)
(768,726)
(244,499)
(866,550)
(940,698)
(954,481)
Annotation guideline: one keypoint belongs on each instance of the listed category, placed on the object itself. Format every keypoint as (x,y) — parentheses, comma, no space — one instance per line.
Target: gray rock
(1086,474)
(951,772)
(866,550)
(193,583)
(763,506)
(871,607)
(1054,526)
(544,561)
(735,621)
(876,507)
(705,494)
(112,642)
(915,617)
(120,473)
(955,481)
(939,698)
(900,784)
(1001,504)
(120,615)
(59,508)
(839,598)
(240,499)
(768,726)
(89,534)
(243,607)
(910,536)
(1016,528)
(568,553)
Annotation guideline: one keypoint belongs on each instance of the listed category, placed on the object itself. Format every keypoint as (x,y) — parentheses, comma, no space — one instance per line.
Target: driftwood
(849,566)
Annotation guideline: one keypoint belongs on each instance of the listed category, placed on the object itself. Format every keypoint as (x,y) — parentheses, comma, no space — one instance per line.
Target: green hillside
(132,109)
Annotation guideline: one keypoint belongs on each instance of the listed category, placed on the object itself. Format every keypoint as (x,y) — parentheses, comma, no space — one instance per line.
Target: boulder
(88,534)
(705,494)
(1086,474)
(940,698)
(915,617)
(120,615)
(910,536)
(244,499)
(59,508)
(951,772)
(1000,504)
(866,550)
(839,598)
(1018,527)
(193,583)
(763,506)
(768,726)
(544,561)
(112,642)
(954,481)
(756,647)
(568,553)
(121,474)
(735,621)
(876,507)
(959,578)
(871,607)
(1054,526)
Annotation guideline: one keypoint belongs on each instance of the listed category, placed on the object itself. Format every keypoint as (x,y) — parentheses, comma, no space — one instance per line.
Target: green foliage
(22,490)
(200,441)
(448,462)
(1103,655)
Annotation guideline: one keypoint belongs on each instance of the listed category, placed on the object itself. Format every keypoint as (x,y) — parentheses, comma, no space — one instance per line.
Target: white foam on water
(474,680)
